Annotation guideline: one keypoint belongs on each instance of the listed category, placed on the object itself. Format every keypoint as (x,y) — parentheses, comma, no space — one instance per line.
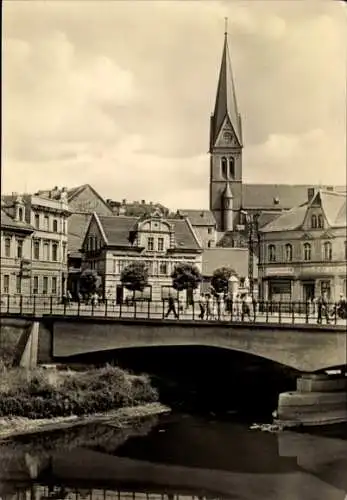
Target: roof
(77,227)
(117,229)
(235,258)
(333,206)
(8,222)
(278,196)
(198,217)
(226,104)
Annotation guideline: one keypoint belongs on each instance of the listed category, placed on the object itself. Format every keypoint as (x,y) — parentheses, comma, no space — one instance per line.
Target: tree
(185,277)
(89,281)
(135,276)
(220,279)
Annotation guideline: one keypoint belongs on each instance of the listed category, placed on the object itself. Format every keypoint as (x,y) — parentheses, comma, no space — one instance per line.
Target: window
(163,268)
(19,249)
(6,283)
(150,243)
(46,250)
(224,164)
(8,247)
(160,244)
(327,251)
(210,243)
(209,230)
(314,222)
(307,251)
(36,285)
(20,213)
(37,221)
(64,252)
(55,226)
(55,252)
(46,222)
(36,250)
(232,167)
(18,284)
(54,285)
(45,285)
(320,221)
(288,252)
(272,253)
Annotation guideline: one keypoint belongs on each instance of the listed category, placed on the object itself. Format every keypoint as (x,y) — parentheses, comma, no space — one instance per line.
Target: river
(176,456)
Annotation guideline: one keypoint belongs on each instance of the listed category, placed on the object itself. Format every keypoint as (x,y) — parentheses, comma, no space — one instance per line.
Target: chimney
(124,201)
(143,202)
(311,191)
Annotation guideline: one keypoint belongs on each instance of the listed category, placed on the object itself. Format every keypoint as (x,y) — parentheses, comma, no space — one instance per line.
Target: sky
(118,94)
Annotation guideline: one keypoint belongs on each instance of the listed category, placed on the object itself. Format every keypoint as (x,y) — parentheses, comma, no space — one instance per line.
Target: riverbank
(45,400)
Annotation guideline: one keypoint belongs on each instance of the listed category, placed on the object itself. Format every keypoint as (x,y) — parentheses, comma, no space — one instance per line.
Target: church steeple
(226,103)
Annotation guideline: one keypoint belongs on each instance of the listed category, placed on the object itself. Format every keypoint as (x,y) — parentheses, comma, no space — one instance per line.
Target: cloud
(122,100)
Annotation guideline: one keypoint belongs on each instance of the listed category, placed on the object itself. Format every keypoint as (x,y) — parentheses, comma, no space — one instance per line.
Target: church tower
(226,149)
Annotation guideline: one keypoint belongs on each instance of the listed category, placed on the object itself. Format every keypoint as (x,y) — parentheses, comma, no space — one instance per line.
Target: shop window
(224,164)
(307,251)
(327,251)
(320,221)
(314,222)
(288,252)
(272,253)
(326,288)
(7,247)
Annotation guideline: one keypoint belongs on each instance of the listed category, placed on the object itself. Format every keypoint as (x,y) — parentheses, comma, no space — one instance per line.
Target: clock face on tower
(228,137)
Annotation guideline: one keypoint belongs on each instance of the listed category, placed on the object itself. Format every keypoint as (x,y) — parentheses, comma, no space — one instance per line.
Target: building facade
(112,243)
(303,252)
(47,216)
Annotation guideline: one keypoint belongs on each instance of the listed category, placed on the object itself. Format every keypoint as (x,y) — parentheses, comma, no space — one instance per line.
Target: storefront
(279,289)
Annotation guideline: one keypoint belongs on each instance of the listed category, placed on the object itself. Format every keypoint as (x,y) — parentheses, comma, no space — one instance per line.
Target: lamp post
(252,230)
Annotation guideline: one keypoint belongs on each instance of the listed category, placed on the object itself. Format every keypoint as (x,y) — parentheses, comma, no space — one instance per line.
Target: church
(232,202)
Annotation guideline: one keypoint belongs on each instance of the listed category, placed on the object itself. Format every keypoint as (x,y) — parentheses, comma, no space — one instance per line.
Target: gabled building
(113,242)
(303,251)
(204,225)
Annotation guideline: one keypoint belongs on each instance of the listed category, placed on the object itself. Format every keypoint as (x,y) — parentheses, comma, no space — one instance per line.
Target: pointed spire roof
(227,192)
(226,104)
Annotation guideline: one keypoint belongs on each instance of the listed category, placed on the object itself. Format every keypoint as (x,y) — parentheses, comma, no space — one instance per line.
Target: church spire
(226,104)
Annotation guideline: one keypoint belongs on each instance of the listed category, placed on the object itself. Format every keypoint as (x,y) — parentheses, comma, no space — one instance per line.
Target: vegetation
(44,394)
(220,279)
(89,281)
(135,276)
(185,277)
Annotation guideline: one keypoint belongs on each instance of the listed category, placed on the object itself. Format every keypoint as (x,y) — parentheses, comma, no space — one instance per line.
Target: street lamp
(252,229)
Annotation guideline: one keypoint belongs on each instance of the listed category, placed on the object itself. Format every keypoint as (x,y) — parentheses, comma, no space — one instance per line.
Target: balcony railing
(262,312)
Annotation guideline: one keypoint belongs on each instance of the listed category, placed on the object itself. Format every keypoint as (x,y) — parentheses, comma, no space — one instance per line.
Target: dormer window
(320,221)
(314,221)
(20,214)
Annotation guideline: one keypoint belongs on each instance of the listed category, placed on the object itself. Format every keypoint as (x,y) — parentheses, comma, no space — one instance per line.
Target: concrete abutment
(319,399)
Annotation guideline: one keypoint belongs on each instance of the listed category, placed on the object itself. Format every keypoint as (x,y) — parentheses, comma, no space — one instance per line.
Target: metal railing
(261,312)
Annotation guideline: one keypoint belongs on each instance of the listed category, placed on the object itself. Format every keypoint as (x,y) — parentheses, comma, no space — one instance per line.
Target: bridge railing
(262,311)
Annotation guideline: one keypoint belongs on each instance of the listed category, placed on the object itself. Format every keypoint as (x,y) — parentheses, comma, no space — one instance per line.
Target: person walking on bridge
(202,305)
(322,307)
(172,307)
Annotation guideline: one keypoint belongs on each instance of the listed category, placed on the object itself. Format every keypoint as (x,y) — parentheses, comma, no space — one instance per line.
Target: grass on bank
(44,393)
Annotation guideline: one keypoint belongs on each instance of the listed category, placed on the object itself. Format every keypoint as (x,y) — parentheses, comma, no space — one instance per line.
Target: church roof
(226,104)
(117,230)
(277,196)
(198,217)
(333,206)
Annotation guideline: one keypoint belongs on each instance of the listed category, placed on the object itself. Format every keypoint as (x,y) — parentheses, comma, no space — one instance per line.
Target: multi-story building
(204,225)
(303,252)
(112,243)
(47,216)
(15,254)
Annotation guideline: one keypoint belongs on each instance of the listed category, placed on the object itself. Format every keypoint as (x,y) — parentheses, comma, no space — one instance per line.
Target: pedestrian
(171,307)
(237,307)
(322,308)
(341,307)
(209,307)
(255,306)
(246,306)
(202,305)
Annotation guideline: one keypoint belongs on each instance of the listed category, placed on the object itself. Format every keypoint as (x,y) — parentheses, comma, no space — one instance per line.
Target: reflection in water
(174,458)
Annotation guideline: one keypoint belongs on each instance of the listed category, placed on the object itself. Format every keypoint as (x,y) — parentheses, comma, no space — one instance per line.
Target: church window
(232,167)
(320,221)
(272,253)
(327,251)
(224,163)
(314,222)
(288,252)
(307,251)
